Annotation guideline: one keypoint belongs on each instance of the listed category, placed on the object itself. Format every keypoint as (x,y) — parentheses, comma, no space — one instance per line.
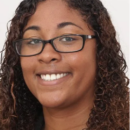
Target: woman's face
(80,67)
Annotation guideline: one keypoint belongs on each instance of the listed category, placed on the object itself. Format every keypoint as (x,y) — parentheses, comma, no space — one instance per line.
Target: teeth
(50,77)
(53,77)
(58,76)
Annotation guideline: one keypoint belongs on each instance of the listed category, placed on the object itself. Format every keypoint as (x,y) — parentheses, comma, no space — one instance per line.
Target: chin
(51,101)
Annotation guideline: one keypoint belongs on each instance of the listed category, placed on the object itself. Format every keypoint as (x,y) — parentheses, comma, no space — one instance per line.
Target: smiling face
(73,74)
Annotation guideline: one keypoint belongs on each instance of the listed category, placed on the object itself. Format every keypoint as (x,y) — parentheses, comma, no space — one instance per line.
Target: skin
(66,102)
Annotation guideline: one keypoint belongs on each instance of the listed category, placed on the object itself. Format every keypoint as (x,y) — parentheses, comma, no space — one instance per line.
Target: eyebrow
(37,28)
(59,26)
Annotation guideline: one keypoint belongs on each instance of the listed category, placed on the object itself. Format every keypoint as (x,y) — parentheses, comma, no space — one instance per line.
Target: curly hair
(19,109)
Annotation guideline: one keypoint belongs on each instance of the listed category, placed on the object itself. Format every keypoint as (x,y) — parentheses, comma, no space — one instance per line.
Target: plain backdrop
(118,10)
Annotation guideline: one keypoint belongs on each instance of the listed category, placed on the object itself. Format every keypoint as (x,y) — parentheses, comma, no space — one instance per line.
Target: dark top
(39,124)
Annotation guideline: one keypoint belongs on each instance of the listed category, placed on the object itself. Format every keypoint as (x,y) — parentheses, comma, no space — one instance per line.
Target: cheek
(28,69)
(83,66)
(81,61)
(27,64)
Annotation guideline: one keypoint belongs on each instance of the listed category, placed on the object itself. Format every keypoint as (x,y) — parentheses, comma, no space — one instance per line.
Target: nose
(49,55)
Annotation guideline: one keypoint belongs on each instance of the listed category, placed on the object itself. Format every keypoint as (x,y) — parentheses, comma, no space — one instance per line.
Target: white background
(118,10)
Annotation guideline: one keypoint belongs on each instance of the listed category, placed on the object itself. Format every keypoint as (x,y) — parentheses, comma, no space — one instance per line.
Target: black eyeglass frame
(84,37)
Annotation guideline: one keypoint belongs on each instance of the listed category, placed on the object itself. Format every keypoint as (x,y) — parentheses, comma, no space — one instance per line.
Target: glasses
(64,44)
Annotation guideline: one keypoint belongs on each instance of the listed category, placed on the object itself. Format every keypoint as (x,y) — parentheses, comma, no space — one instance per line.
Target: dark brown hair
(19,109)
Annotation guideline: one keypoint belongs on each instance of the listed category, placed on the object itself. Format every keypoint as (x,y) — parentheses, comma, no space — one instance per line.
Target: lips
(51,77)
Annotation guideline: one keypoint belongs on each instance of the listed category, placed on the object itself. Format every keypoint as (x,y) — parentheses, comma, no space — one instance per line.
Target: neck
(71,118)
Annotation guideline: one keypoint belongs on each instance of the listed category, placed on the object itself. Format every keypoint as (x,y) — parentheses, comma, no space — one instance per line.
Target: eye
(67,39)
(34,41)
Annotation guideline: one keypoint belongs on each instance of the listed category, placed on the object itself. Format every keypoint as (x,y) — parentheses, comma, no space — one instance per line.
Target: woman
(63,69)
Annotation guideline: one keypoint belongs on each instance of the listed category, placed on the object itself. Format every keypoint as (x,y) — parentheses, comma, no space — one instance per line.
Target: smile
(50,77)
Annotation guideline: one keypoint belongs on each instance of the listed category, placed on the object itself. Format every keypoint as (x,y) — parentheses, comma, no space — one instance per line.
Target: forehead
(49,14)
(52,12)
(56,9)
